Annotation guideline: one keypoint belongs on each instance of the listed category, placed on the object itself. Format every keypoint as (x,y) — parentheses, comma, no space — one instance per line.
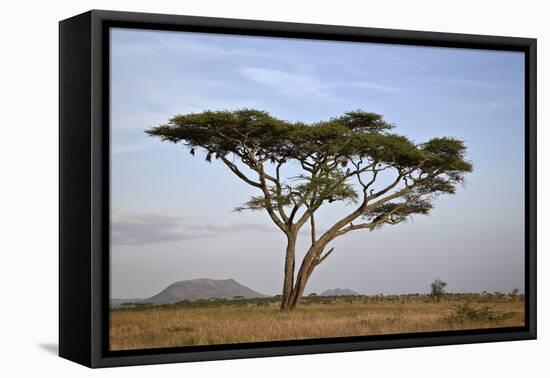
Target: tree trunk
(294,290)
(308,265)
(288,283)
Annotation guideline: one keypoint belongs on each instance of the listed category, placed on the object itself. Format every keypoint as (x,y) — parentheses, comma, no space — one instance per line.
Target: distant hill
(202,288)
(338,292)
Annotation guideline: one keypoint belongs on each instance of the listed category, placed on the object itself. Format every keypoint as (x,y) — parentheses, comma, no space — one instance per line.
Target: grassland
(209,322)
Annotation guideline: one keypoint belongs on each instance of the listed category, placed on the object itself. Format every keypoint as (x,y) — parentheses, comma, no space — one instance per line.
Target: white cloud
(300,84)
(283,81)
(371,85)
(464,82)
(150,228)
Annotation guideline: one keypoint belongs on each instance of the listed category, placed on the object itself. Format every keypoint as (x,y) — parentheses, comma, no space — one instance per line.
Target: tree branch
(312,222)
(322,258)
(241,175)
(278,190)
(371,225)
(258,167)
(303,199)
(383,191)
(332,232)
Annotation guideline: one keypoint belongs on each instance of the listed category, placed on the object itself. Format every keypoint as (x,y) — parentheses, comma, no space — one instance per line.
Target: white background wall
(28,189)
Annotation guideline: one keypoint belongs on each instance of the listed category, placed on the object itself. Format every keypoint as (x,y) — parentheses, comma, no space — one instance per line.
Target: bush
(465,312)
(437,288)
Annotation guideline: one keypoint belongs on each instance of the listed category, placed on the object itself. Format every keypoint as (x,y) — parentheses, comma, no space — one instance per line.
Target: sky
(171,213)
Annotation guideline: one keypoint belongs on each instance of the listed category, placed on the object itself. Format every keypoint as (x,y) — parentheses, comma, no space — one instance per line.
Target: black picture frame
(84,187)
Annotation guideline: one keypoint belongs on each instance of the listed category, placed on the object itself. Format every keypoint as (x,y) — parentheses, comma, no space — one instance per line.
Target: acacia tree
(437,288)
(347,159)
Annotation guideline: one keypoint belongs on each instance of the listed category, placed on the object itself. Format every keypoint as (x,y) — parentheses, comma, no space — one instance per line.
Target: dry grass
(170,326)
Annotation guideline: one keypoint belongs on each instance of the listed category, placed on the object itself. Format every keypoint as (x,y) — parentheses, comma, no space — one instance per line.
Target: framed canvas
(235,188)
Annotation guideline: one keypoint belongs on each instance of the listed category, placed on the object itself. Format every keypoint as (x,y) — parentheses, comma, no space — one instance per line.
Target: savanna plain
(239,320)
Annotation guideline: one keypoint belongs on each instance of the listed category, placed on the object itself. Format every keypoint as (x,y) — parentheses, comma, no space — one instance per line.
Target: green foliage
(459,314)
(256,203)
(329,184)
(363,122)
(438,287)
(136,304)
(396,212)
(466,313)
(356,134)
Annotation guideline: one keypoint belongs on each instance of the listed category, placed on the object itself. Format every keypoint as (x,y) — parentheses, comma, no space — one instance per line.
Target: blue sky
(171,213)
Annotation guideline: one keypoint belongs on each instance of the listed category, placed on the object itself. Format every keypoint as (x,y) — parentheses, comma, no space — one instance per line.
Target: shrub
(437,288)
(465,312)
